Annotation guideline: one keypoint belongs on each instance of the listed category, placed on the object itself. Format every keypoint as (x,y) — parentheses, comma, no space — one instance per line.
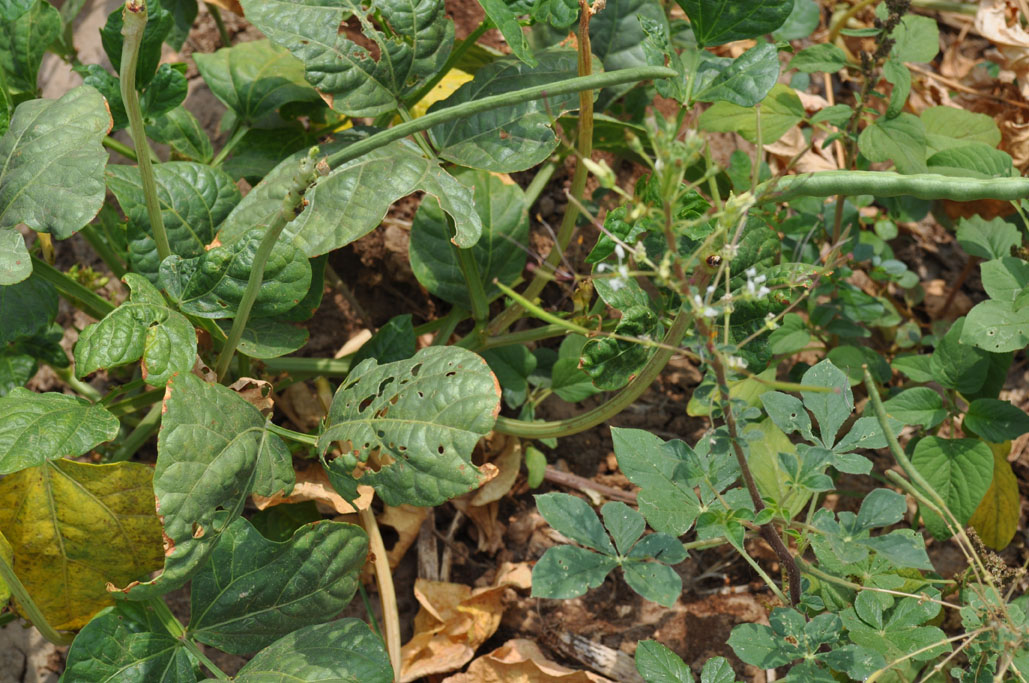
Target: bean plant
(336,114)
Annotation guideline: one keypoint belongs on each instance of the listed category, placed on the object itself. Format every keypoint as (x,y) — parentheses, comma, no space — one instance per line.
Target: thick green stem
(299,437)
(28,605)
(85,299)
(134,24)
(888,184)
(470,271)
(605,411)
(223,33)
(146,428)
(304,177)
(330,367)
(119,147)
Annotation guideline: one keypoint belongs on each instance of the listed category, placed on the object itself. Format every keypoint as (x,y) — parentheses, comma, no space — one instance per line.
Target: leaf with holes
(212,452)
(74,528)
(142,327)
(359,80)
(419,419)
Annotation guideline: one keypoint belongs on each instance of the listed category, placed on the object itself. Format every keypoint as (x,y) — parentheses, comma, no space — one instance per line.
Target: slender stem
(77,385)
(120,147)
(387,595)
(46,246)
(841,23)
(332,367)
(450,323)
(234,139)
(146,428)
(584,150)
(372,621)
(607,410)
(706,543)
(455,56)
(539,182)
(287,211)
(300,437)
(761,572)
(807,568)
(889,184)
(28,605)
(223,33)
(165,616)
(470,271)
(88,301)
(131,404)
(961,636)
(113,262)
(538,312)
(204,660)
(134,24)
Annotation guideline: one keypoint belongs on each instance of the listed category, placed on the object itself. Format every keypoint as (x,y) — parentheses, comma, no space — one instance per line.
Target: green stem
(706,543)
(578,84)
(223,33)
(538,312)
(450,323)
(470,272)
(146,428)
(77,385)
(28,605)
(889,184)
(176,630)
(761,572)
(134,24)
(85,299)
(605,411)
(330,367)
(237,135)
(104,251)
(455,56)
(539,182)
(121,148)
(131,404)
(299,437)
(287,211)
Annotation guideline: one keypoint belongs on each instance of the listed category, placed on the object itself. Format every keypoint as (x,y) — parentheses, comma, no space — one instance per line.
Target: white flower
(619,252)
(735,363)
(770,321)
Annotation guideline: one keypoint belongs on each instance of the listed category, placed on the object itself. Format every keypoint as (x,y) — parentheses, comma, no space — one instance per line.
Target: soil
(720,589)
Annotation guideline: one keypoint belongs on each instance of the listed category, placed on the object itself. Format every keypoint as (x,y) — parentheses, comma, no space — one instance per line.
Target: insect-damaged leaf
(254,591)
(52,163)
(423,416)
(142,327)
(40,427)
(212,452)
(75,528)
(194,199)
(352,78)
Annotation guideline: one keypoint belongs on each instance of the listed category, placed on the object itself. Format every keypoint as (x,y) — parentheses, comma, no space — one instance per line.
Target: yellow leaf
(454,79)
(8,555)
(996,518)
(74,528)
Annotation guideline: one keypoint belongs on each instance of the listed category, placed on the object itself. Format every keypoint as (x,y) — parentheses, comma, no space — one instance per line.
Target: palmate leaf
(355,80)
(52,163)
(127,644)
(508,138)
(142,327)
(27,27)
(253,591)
(423,416)
(194,200)
(212,452)
(75,528)
(35,428)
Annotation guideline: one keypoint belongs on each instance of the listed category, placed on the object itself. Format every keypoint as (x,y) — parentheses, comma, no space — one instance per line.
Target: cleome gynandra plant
(781,287)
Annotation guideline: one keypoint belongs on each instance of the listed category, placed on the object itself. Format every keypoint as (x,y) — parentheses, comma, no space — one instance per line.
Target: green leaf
(657,664)
(425,414)
(566,571)
(991,239)
(268,338)
(344,650)
(535,465)
(896,73)
(832,408)
(755,644)
(52,172)
(974,160)
(791,336)
(996,518)
(255,78)
(956,363)
(16,369)
(212,284)
(917,39)
(181,131)
(27,27)
(996,326)
(917,406)
(788,413)
(567,379)
(261,149)
(917,368)
(159,23)
(27,309)
(995,420)
(512,365)
(899,634)
(715,22)
(780,111)
(500,206)
(506,21)
(1004,278)
(194,200)
(900,140)
(394,341)
(881,507)
(821,57)
(15,264)
(557,13)
(654,581)
(142,327)
(40,427)
(510,138)
(349,75)
(611,362)
(746,80)
(166,91)
(624,524)
(617,35)
(212,452)
(666,498)
(959,470)
(353,199)
(718,669)
(801,23)
(253,591)
(574,518)
(948,127)
(127,644)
